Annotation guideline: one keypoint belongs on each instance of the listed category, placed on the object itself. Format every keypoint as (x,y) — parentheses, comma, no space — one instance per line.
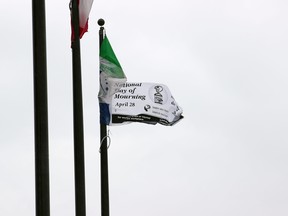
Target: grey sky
(225,63)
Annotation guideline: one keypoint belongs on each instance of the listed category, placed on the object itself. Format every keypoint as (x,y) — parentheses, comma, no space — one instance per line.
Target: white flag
(149,103)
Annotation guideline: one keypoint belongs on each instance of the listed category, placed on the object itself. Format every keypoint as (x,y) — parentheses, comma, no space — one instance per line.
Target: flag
(84,7)
(112,79)
(149,103)
(84,11)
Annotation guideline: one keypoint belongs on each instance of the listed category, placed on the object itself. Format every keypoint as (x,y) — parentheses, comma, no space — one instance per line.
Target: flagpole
(79,161)
(42,196)
(103,149)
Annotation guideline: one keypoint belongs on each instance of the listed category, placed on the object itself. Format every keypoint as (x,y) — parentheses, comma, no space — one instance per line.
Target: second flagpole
(79,160)
(103,149)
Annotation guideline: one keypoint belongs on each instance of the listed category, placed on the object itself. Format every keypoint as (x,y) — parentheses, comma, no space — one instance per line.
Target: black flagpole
(79,161)
(42,196)
(103,150)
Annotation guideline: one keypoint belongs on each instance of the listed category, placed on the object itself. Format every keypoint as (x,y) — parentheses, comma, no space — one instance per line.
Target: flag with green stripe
(112,79)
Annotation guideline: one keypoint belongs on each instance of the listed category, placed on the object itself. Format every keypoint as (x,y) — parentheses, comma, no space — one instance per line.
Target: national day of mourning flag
(149,103)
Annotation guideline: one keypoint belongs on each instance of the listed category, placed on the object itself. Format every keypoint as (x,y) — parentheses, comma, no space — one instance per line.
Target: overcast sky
(226,65)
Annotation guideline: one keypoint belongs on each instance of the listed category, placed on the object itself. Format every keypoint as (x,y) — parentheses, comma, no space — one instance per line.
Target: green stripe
(107,52)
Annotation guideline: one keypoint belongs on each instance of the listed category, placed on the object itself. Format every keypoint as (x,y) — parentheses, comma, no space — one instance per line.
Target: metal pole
(40,109)
(103,150)
(79,161)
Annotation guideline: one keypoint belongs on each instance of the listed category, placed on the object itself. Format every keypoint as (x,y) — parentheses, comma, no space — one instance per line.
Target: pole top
(101,22)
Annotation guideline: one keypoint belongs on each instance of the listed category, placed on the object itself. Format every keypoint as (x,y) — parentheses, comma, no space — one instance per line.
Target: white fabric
(84,10)
(145,99)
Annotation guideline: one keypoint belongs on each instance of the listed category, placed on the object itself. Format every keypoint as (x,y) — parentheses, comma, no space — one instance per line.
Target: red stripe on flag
(83,30)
